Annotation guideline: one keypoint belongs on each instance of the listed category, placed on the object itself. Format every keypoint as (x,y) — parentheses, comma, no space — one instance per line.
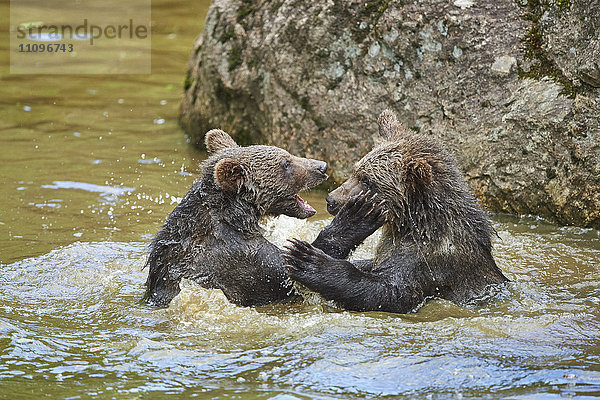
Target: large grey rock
(313,76)
(571,38)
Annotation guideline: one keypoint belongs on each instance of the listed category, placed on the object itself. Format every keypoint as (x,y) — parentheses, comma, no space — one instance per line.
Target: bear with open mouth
(213,236)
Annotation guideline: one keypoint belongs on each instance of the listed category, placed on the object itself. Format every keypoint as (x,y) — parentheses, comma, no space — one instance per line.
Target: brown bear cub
(435,241)
(213,236)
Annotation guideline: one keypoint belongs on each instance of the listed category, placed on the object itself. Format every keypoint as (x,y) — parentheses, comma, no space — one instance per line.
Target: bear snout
(318,165)
(315,170)
(322,166)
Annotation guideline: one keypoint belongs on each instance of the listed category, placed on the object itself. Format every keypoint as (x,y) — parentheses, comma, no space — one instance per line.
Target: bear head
(406,171)
(266,177)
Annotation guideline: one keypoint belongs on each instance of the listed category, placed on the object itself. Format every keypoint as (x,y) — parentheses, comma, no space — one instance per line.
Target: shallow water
(92,165)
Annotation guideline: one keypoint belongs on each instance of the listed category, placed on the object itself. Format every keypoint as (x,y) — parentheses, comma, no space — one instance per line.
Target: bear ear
(217,139)
(230,174)
(419,172)
(388,124)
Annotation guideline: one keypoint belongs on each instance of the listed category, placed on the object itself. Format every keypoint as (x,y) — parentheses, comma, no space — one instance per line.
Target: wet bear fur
(435,241)
(213,236)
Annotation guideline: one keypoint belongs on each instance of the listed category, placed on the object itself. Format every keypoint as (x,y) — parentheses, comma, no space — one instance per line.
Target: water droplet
(154,160)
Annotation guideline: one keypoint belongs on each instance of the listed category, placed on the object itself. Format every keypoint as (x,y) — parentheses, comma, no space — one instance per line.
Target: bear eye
(285,164)
(367,184)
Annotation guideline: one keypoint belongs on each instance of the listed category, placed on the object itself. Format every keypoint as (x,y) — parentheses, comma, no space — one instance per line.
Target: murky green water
(90,168)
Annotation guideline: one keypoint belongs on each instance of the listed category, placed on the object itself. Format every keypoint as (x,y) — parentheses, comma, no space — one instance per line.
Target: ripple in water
(74,316)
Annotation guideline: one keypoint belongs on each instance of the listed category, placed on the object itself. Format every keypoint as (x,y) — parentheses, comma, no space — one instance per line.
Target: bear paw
(304,260)
(362,215)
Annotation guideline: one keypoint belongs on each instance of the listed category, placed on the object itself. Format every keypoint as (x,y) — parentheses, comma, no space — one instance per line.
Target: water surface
(91,166)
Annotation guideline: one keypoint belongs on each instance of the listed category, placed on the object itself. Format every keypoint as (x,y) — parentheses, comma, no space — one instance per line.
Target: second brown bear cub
(435,240)
(213,236)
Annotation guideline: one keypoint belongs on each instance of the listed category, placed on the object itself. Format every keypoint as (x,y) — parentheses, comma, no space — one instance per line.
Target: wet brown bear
(435,240)
(213,236)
